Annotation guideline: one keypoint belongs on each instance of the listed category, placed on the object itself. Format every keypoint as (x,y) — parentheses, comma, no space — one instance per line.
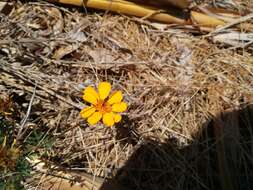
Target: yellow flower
(8,156)
(103,106)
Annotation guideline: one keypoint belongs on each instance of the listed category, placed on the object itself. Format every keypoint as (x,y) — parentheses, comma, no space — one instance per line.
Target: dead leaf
(102,56)
(236,39)
(64,50)
(58,24)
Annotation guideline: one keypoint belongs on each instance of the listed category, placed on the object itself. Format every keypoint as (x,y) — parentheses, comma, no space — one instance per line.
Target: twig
(235,22)
(24,120)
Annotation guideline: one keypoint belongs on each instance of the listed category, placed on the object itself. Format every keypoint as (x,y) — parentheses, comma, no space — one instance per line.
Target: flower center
(103,107)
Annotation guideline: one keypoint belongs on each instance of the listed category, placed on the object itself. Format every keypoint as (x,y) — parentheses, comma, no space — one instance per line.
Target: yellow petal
(108,119)
(86,112)
(116,97)
(120,107)
(104,89)
(92,91)
(117,118)
(90,95)
(94,118)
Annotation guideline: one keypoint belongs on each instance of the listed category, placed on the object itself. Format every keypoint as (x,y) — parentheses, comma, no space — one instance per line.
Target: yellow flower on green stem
(103,106)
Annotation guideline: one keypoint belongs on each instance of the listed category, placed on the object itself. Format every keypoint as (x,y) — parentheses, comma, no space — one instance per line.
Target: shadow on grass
(220,157)
(125,132)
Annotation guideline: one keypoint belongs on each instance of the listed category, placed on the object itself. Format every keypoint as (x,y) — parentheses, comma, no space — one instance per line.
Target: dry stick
(23,121)
(235,22)
(215,15)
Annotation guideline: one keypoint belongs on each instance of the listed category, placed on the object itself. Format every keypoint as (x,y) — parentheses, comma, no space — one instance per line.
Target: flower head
(103,106)
(8,155)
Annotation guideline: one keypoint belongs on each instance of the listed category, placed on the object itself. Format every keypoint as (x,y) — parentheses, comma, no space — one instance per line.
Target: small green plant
(15,154)
(13,165)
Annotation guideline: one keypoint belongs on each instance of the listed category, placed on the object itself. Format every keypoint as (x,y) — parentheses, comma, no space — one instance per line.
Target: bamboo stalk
(182,4)
(127,8)
(205,20)
(130,8)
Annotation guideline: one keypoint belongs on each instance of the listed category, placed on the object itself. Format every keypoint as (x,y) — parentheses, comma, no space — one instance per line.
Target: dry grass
(173,81)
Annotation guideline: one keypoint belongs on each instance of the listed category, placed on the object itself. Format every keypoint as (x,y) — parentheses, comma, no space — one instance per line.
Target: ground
(183,90)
